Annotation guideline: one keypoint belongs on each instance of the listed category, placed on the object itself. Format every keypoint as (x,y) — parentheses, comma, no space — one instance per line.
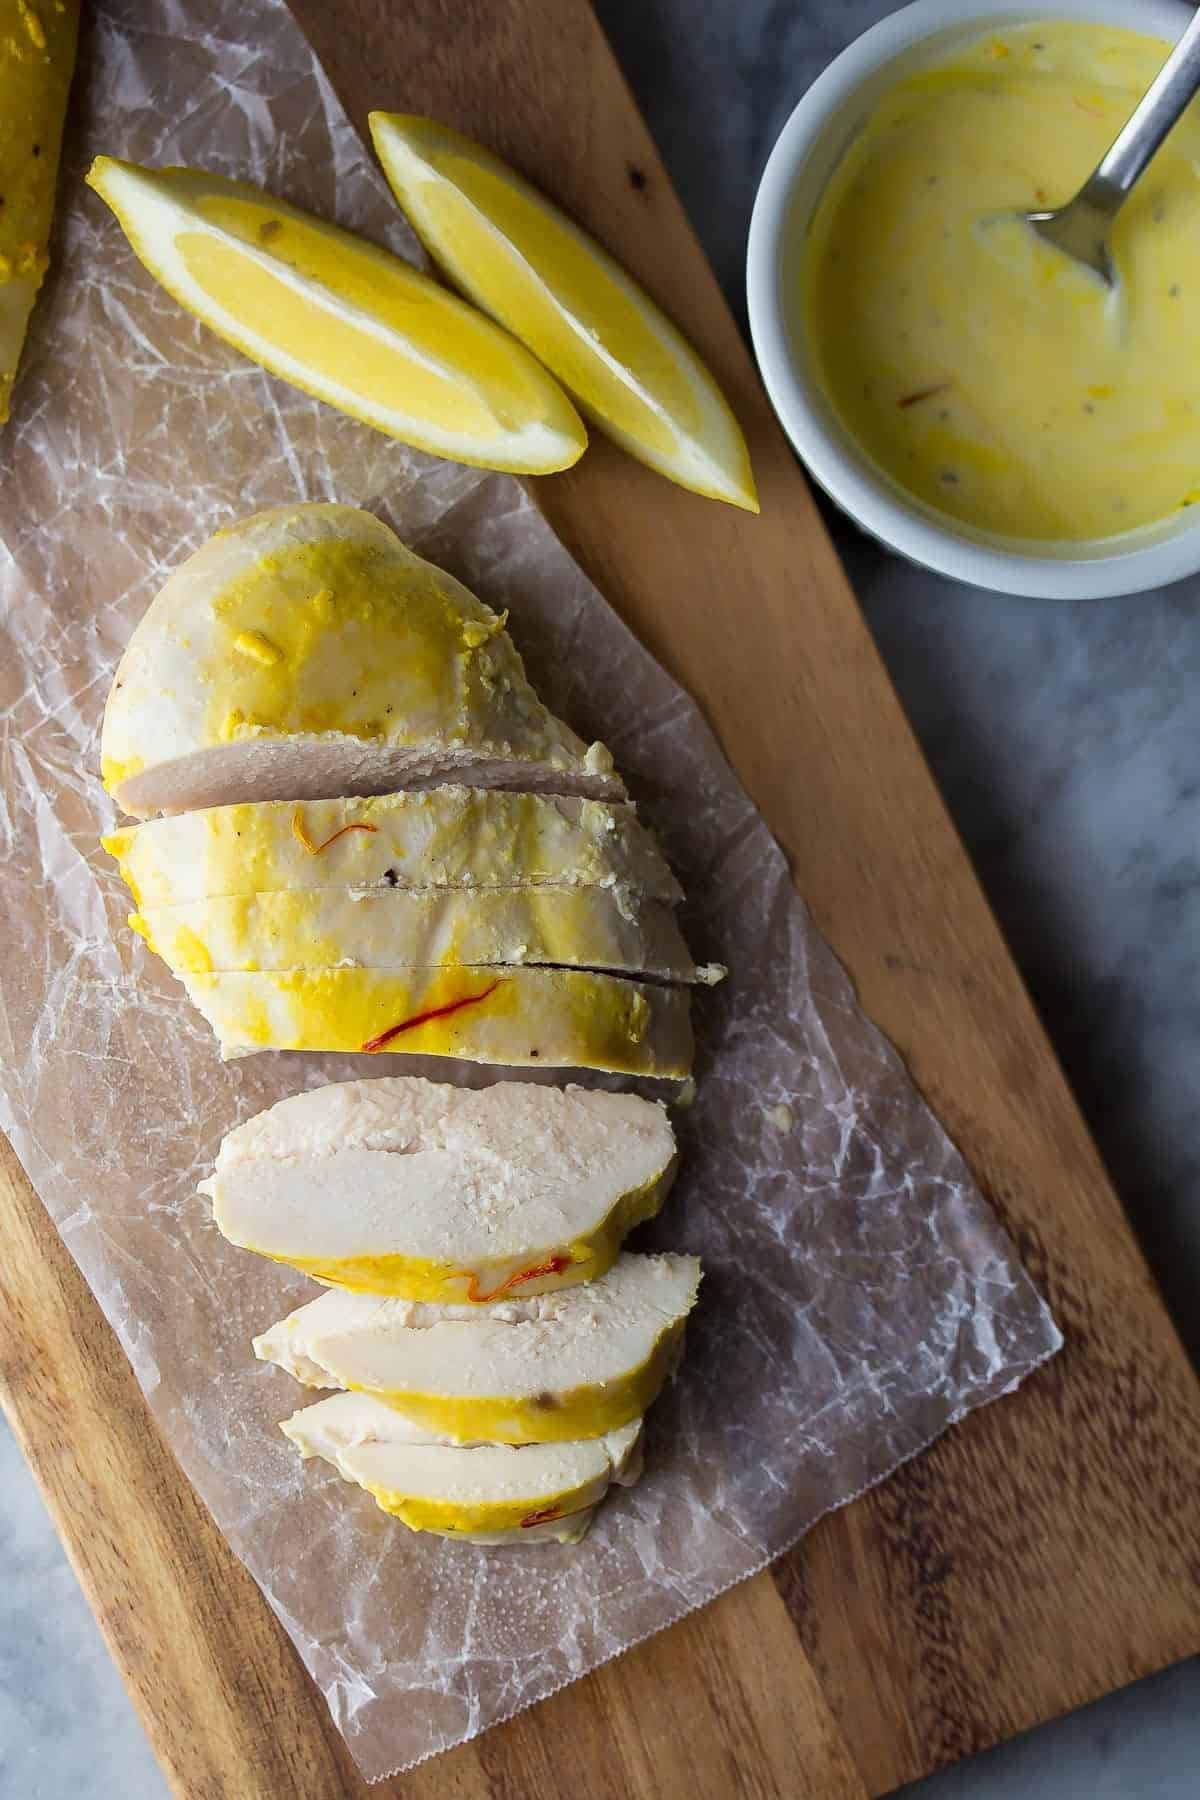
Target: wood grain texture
(223,1698)
(1046,1550)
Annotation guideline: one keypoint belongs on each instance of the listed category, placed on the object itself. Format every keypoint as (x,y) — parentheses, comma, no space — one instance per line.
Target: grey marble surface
(1065,740)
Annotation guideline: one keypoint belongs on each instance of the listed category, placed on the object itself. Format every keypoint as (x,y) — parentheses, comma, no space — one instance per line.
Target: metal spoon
(1081,227)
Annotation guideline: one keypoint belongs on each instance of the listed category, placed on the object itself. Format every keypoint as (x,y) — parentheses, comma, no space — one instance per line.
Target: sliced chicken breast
(330,928)
(430,1192)
(547,1018)
(478,1493)
(306,653)
(442,837)
(577,1363)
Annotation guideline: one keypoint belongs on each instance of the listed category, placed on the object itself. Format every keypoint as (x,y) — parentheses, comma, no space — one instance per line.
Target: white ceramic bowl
(808,150)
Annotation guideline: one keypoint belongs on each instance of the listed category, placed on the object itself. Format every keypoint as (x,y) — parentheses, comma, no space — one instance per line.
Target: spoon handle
(1161,105)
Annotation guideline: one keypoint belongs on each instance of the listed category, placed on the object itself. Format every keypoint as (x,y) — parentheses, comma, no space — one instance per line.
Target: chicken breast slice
(306,653)
(442,837)
(492,1494)
(577,1363)
(323,928)
(430,1192)
(544,1018)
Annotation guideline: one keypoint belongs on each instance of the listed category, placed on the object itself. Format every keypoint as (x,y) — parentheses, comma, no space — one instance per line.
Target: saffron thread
(539,1518)
(302,838)
(554,1265)
(939,387)
(422,1018)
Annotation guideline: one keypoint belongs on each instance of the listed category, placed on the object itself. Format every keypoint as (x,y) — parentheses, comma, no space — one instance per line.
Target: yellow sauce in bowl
(977,365)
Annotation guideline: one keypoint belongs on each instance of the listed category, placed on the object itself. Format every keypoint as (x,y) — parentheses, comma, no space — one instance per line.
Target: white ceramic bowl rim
(1132,564)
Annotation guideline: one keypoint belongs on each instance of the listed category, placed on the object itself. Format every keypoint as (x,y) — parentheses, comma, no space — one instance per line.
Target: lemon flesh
(37,55)
(342,319)
(524,262)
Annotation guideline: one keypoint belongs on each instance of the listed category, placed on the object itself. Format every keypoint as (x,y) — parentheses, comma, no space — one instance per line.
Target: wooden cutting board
(1042,1553)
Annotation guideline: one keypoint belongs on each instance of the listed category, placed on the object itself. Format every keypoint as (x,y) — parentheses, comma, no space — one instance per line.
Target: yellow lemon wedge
(523,261)
(343,319)
(37,56)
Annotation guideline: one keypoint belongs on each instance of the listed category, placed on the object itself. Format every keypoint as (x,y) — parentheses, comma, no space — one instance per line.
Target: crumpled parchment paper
(859,1295)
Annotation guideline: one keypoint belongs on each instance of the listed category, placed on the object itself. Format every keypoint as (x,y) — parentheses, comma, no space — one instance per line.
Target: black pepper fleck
(637,178)
(391,877)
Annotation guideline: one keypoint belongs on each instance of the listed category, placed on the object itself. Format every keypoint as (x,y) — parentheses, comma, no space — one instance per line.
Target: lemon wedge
(524,262)
(343,319)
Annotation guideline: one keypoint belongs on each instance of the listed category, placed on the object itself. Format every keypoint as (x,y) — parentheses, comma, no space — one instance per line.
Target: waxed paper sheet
(859,1294)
